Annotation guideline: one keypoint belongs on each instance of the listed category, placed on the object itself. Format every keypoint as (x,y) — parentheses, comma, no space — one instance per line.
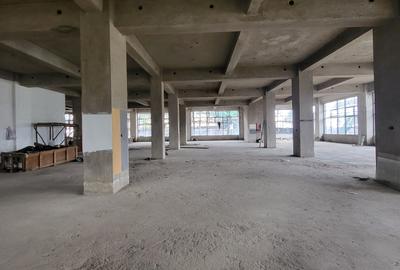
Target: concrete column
(244,123)
(157,119)
(303,124)
(174,134)
(77,113)
(133,120)
(318,120)
(182,124)
(365,118)
(104,105)
(269,120)
(188,124)
(387,96)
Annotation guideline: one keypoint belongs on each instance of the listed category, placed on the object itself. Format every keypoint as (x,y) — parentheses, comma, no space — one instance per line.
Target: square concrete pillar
(133,120)
(157,118)
(387,97)
(365,117)
(269,125)
(182,124)
(173,110)
(77,113)
(318,119)
(303,123)
(104,105)
(188,124)
(244,123)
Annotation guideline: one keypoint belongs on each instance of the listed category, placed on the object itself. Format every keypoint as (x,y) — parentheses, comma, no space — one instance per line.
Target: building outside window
(284,124)
(69,119)
(144,124)
(341,117)
(215,123)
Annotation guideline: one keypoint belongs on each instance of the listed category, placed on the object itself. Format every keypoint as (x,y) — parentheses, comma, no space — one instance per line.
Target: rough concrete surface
(232,206)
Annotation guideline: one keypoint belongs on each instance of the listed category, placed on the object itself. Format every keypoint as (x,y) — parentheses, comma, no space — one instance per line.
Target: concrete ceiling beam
(254,7)
(275,85)
(90,5)
(181,16)
(217,75)
(142,102)
(344,40)
(344,70)
(44,56)
(169,88)
(223,103)
(135,80)
(229,93)
(138,53)
(330,83)
(38,18)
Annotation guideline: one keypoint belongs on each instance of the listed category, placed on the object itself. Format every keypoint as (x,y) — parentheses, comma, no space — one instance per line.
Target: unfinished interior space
(188,134)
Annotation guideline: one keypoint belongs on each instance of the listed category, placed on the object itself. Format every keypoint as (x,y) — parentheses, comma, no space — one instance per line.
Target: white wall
(31,105)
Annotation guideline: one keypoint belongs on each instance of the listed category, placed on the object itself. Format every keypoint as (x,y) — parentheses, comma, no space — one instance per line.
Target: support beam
(387,96)
(138,53)
(269,120)
(44,56)
(140,101)
(303,125)
(182,124)
(230,16)
(223,103)
(275,85)
(169,89)
(216,75)
(229,93)
(173,111)
(341,42)
(349,70)
(331,83)
(104,105)
(254,7)
(90,5)
(157,119)
(240,45)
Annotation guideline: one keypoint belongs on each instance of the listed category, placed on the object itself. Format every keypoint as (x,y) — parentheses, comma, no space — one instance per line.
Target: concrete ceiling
(238,40)
(284,47)
(207,50)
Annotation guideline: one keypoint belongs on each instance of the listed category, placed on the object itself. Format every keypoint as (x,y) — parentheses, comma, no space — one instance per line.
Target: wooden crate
(50,158)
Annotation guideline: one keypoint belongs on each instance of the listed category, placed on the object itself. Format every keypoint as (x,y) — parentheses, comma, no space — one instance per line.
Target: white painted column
(269,120)
(182,124)
(174,134)
(157,119)
(133,120)
(104,105)
(303,124)
(365,117)
(387,97)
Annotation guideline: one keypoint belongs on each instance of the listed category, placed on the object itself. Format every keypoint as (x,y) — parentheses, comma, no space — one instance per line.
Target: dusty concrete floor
(233,206)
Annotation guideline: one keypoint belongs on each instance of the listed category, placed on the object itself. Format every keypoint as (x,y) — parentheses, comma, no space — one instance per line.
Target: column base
(388,171)
(98,174)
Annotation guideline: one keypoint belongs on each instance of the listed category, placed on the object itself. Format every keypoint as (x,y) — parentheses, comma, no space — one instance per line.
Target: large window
(69,119)
(284,123)
(340,117)
(144,124)
(215,123)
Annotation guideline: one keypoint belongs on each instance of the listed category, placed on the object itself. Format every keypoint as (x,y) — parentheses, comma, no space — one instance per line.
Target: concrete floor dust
(233,206)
